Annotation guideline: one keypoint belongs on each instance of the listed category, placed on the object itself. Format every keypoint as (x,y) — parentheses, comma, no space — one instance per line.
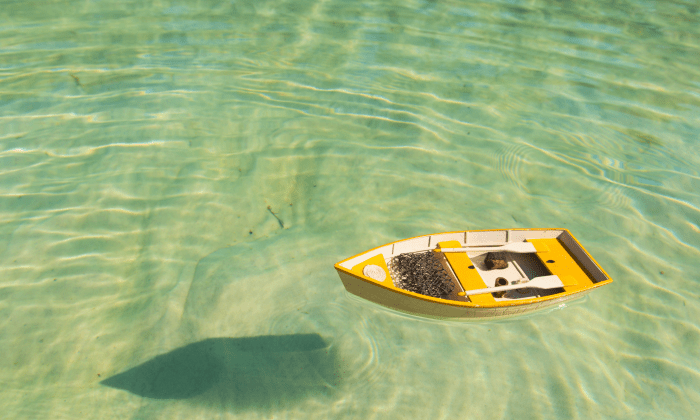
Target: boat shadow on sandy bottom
(237,373)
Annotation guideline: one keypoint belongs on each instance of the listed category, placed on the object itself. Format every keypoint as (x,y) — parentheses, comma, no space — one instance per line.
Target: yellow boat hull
(557,253)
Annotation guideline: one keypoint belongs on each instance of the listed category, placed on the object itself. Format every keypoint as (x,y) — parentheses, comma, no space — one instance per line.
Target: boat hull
(440,310)
(386,292)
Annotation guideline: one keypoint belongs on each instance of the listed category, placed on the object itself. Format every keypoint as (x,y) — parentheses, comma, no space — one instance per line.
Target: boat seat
(469,278)
(377,260)
(561,263)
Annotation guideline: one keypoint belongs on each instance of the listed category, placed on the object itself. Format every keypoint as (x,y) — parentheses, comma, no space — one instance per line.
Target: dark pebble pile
(421,272)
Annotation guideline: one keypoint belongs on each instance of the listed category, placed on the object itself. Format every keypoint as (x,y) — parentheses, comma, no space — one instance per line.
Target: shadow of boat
(247,371)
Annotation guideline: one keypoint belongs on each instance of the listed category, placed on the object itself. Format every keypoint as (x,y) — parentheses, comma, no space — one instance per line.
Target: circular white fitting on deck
(374,272)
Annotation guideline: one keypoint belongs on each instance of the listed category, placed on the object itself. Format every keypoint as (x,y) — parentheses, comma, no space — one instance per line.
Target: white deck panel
(521,235)
(349,264)
(489,237)
(411,245)
(442,237)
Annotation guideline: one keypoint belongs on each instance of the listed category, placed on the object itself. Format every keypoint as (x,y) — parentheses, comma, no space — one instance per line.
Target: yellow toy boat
(474,274)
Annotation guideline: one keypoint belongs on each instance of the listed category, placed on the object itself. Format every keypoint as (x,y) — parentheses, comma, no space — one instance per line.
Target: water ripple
(140,143)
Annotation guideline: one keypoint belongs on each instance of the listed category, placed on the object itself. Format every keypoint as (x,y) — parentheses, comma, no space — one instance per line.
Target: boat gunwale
(514,302)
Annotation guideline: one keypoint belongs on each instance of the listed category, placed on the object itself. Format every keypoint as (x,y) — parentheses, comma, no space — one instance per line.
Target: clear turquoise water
(141,144)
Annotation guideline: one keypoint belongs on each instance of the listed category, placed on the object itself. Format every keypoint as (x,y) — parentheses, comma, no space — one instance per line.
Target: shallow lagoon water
(144,148)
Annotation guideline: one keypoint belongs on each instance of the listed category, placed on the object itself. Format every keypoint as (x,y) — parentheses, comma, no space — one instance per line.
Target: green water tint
(174,174)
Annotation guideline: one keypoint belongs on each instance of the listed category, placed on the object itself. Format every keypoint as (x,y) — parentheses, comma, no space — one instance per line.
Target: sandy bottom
(177,181)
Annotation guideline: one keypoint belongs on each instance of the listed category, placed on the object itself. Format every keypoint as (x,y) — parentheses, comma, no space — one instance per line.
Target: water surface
(178,178)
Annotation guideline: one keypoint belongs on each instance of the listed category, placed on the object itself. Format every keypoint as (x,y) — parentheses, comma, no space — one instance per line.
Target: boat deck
(561,263)
(552,257)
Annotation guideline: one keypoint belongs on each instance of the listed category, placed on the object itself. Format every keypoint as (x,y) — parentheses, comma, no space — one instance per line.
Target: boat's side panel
(400,302)
(487,237)
(449,236)
(516,235)
(411,245)
(508,311)
(397,300)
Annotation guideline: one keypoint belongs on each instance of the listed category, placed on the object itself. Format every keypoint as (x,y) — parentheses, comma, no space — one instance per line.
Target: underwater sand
(177,180)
